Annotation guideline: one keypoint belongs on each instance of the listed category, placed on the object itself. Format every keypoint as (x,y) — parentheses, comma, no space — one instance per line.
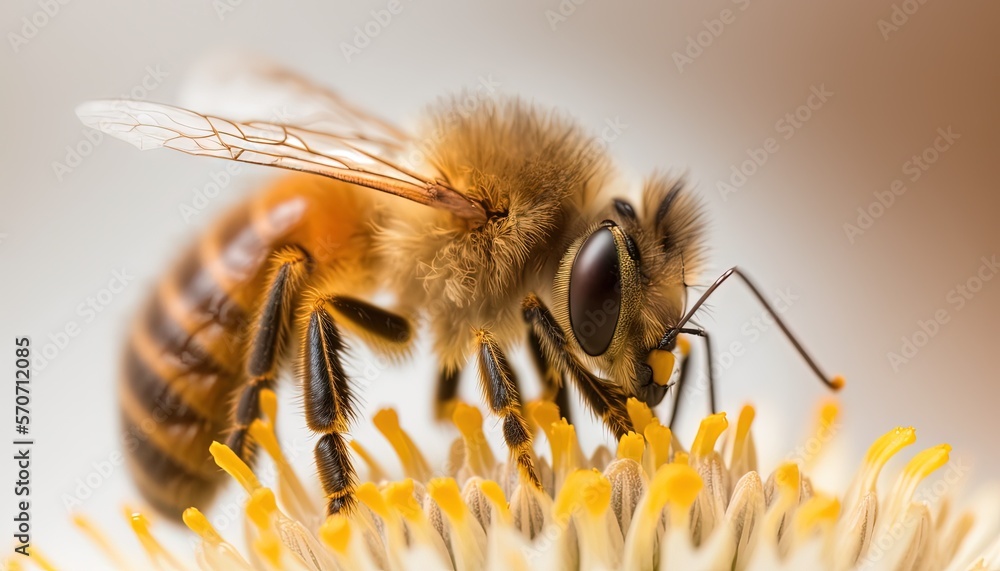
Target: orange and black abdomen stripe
(185,358)
(182,363)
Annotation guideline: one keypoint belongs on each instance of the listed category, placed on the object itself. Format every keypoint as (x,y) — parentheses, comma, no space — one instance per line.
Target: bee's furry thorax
(537,173)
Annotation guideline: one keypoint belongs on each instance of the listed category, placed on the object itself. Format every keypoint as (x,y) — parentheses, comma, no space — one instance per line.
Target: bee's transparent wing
(349,158)
(246,88)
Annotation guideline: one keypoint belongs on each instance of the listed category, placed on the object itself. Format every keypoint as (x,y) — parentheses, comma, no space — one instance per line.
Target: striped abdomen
(185,356)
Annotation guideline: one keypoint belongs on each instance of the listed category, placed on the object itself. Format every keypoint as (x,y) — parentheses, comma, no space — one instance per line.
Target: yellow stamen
(294,495)
(198,523)
(155,550)
(888,445)
(662,363)
(677,485)
(829,412)
(709,432)
(917,469)
(544,413)
(494,493)
(40,560)
(743,424)
(103,543)
(884,448)
(213,542)
(260,509)
(231,463)
(743,457)
(639,413)
(926,462)
(445,492)
(787,478)
(376,472)
(584,499)
(631,446)
(583,487)
(658,437)
(478,455)
(468,420)
(336,532)
(823,430)
(816,511)
(399,495)
(563,444)
(787,482)
(467,536)
(263,434)
(414,464)
(682,458)
(268,546)
(269,405)
(368,494)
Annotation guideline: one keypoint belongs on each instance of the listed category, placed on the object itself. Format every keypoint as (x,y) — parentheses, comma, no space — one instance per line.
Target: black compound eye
(595,294)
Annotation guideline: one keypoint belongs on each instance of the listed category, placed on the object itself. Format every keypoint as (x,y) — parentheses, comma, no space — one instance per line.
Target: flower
(652,504)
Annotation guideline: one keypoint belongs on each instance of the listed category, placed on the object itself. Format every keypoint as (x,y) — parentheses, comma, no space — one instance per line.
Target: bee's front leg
(553,382)
(604,398)
(500,391)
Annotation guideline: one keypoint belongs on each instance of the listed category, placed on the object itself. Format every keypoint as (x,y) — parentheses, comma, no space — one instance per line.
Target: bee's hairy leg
(500,391)
(605,399)
(329,403)
(553,383)
(446,392)
(268,338)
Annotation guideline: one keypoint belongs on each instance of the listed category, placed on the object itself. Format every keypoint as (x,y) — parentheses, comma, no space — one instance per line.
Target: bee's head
(621,284)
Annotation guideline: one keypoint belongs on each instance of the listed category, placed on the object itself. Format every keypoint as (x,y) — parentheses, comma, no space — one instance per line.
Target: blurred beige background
(701,86)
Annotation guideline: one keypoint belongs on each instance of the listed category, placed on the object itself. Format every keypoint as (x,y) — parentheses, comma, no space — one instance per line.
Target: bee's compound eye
(595,294)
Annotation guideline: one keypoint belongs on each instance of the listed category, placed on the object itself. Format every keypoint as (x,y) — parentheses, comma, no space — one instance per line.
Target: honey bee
(505,232)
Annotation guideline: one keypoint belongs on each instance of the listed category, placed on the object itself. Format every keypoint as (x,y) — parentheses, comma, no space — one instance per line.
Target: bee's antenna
(835,383)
